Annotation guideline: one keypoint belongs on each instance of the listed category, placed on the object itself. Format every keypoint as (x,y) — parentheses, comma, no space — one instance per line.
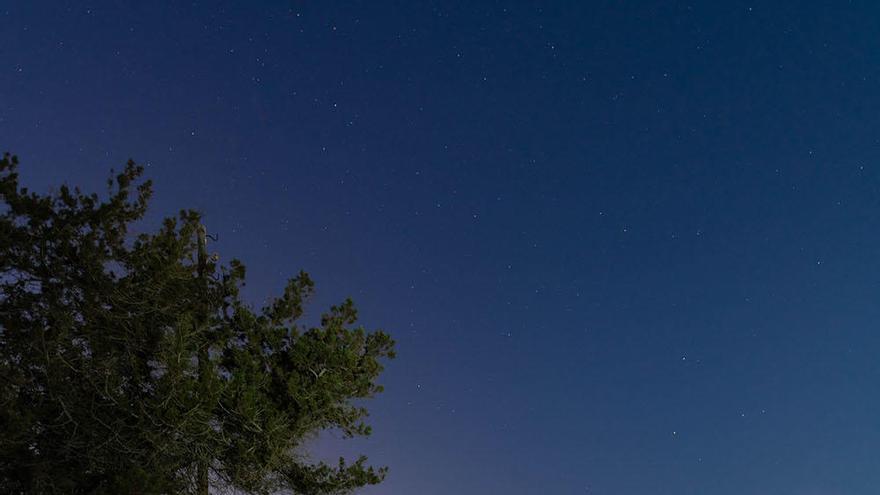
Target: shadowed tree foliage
(132,365)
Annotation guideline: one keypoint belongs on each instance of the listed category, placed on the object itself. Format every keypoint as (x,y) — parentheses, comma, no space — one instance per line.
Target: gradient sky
(625,248)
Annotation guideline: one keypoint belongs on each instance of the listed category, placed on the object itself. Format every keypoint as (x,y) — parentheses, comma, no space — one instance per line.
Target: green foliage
(129,363)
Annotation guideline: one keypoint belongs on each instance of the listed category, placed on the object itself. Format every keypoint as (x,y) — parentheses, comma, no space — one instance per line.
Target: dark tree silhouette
(132,365)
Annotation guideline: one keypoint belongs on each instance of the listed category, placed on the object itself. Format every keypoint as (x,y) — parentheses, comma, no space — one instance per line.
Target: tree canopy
(131,364)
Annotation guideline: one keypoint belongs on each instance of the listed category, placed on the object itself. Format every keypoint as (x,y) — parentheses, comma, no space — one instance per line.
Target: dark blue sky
(625,248)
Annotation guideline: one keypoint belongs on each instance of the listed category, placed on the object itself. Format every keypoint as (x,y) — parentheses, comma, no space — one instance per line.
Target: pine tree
(131,364)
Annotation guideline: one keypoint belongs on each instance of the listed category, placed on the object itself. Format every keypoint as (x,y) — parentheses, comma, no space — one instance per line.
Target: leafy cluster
(132,365)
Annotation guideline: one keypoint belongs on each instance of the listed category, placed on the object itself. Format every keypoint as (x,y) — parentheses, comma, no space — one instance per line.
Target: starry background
(625,247)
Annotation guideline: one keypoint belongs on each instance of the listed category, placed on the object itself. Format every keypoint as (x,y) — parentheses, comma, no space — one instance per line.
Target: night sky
(625,248)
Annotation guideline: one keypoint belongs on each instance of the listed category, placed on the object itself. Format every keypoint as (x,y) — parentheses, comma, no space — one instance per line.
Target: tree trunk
(202,476)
